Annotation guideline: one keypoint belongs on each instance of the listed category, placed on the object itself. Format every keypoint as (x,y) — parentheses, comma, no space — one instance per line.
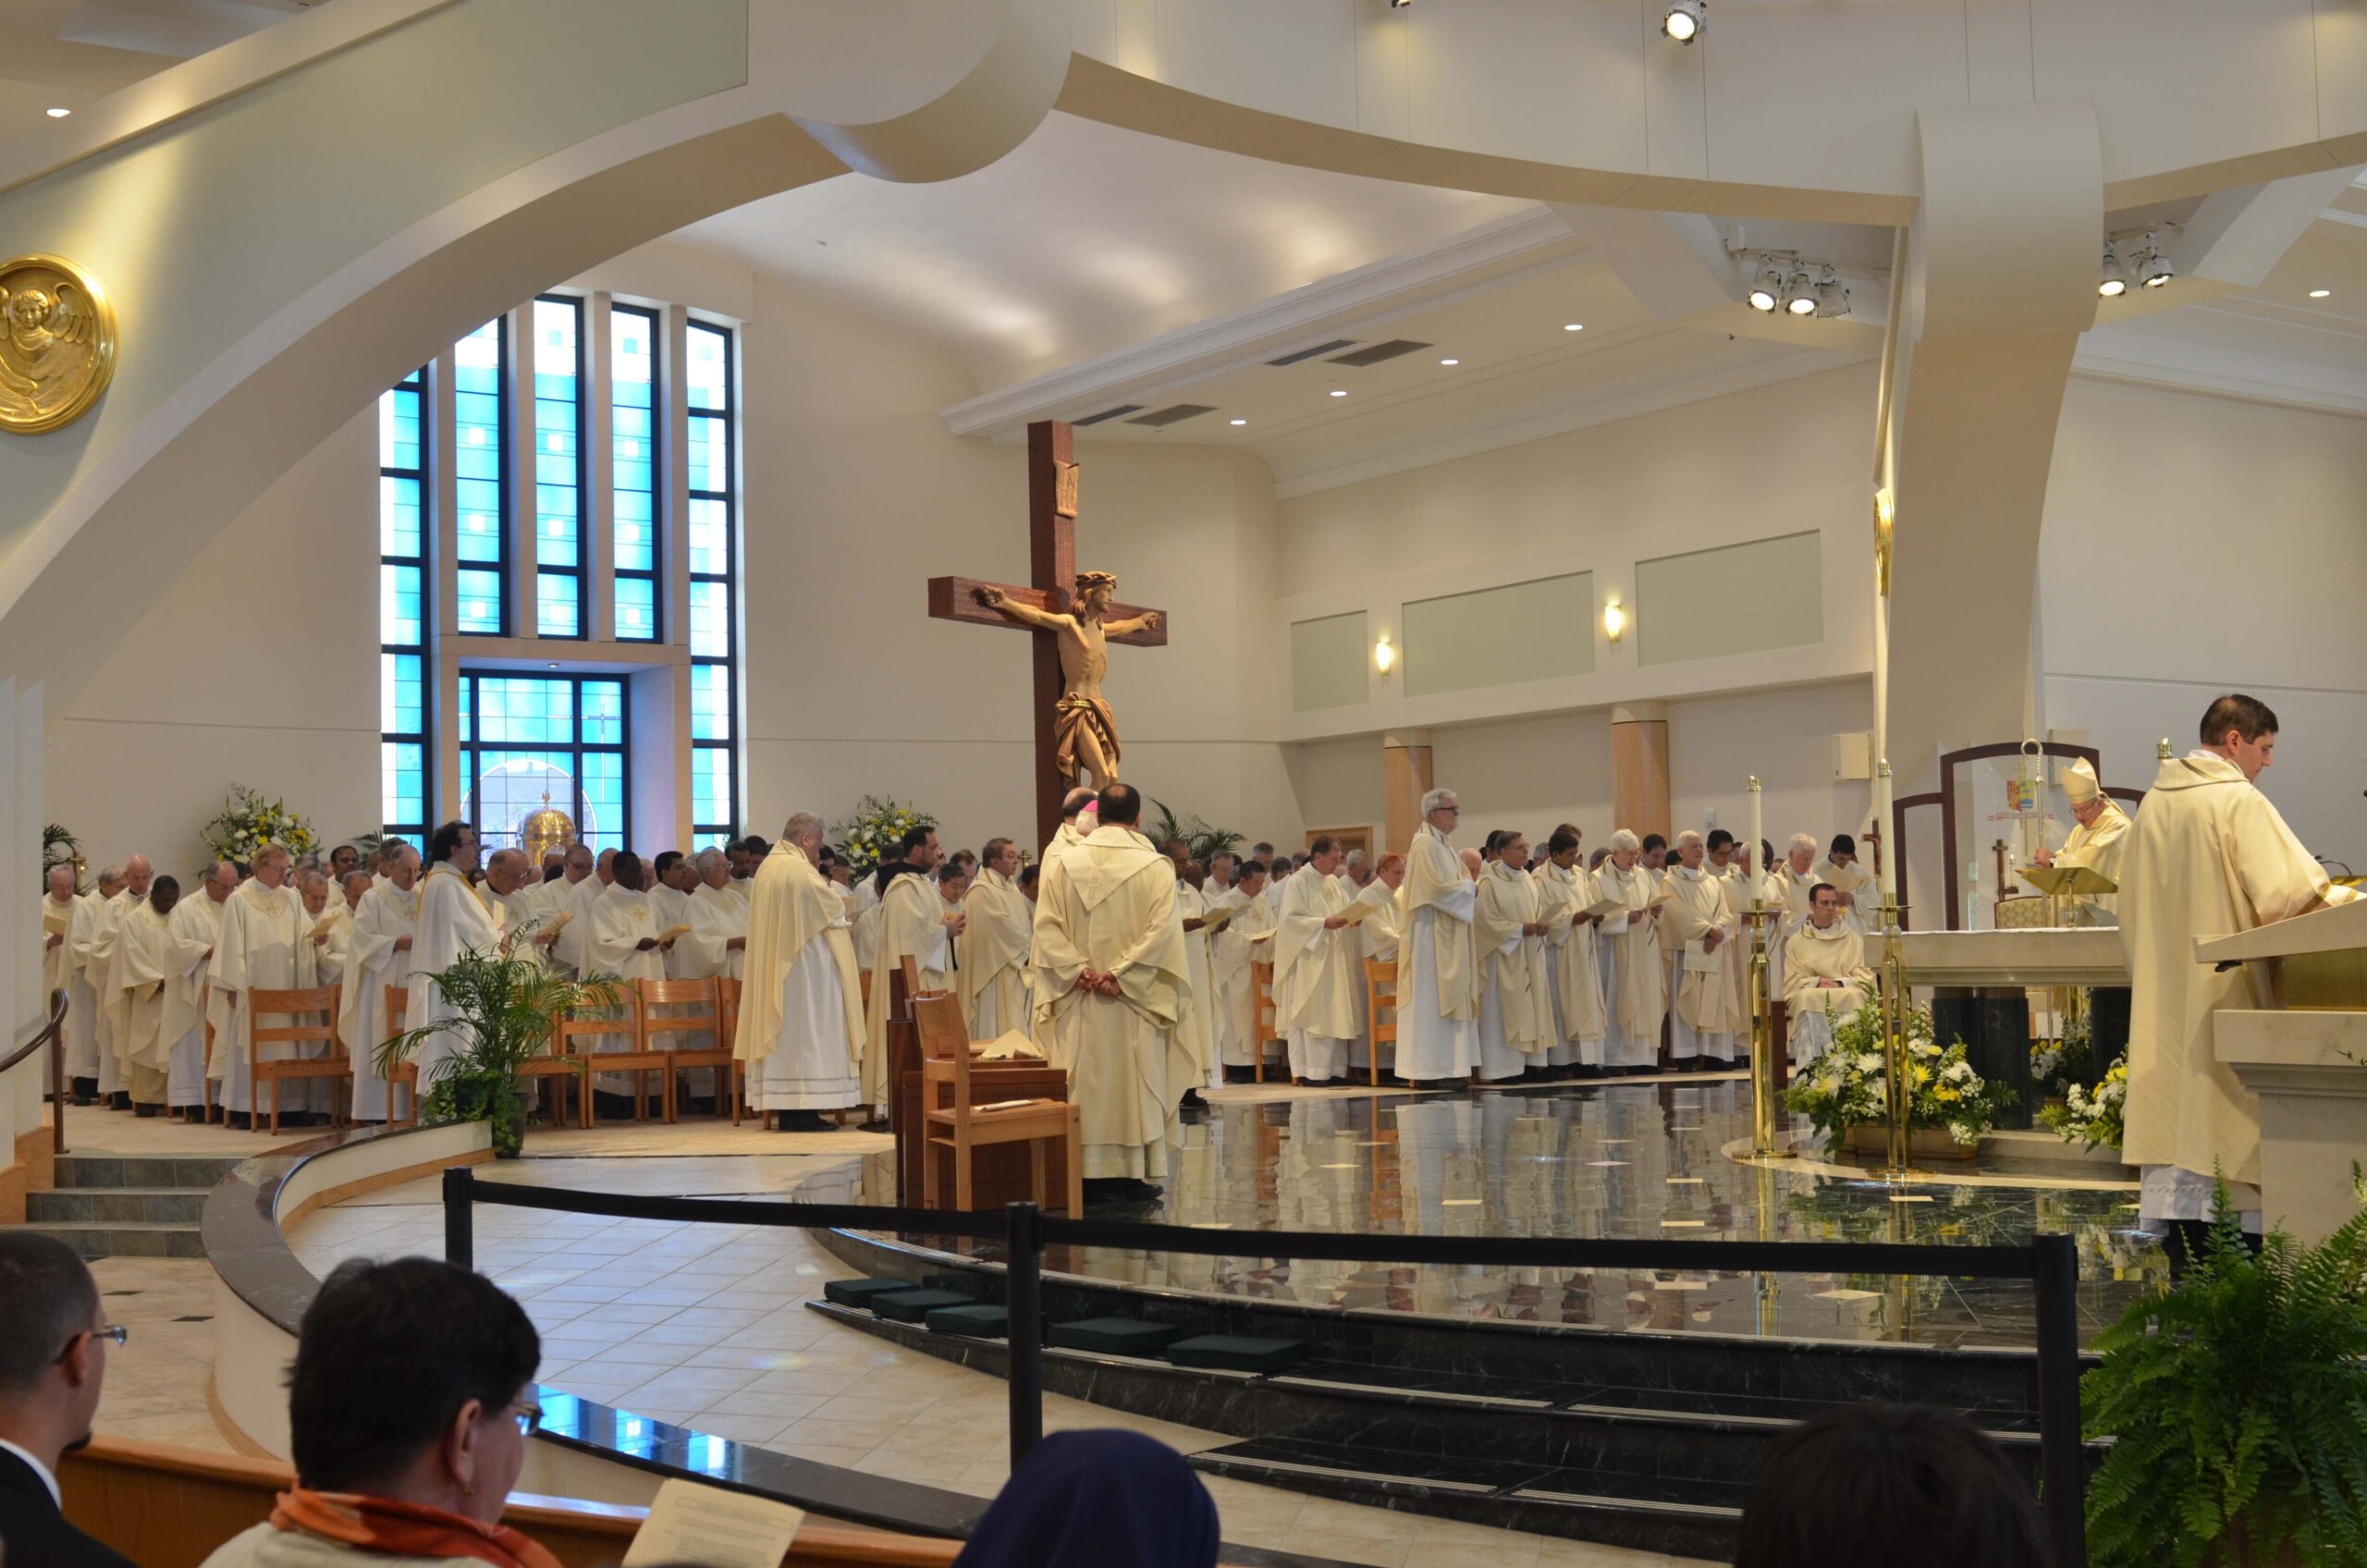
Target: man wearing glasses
(52,1358)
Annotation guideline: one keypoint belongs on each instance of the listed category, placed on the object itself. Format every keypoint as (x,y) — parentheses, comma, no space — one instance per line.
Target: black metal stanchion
(1024,1325)
(2062,1459)
(460,1216)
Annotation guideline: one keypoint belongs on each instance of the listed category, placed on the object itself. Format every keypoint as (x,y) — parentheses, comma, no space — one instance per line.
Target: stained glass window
(402,600)
(481,468)
(632,436)
(711,545)
(558,467)
(523,738)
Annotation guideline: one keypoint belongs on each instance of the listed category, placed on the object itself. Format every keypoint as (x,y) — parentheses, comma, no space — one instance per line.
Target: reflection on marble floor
(1615,1160)
(704,1326)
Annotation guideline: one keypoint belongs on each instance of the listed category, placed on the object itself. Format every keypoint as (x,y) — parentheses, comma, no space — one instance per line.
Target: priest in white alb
(1700,929)
(1438,979)
(262,923)
(1246,936)
(1110,973)
(993,945)
(1380,937)
(197,920)
(1826,977)
(160,969)
(1317,969)
(800,1028)
(1564,893)
(1515,983)
(386,928)
(2209,856)
(454,918)
(628,941)
(916,922)
(1635,975)
(1842,867)
(718,918)
(1194,1041)
(56,958)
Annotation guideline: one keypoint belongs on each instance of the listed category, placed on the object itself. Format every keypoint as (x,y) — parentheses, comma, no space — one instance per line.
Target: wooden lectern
(1002,1173)
(2302,1050)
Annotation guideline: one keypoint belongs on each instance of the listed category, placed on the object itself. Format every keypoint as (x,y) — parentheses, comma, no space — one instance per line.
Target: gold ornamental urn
(546,831)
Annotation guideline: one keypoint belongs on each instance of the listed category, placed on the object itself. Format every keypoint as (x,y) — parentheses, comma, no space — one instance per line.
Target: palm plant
(503,1009)
(2237,1404)
(1206,842)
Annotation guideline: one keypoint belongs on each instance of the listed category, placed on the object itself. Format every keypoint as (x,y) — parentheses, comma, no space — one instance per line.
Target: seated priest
(1825,975)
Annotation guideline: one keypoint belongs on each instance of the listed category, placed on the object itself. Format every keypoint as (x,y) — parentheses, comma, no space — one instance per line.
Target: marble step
(143,1171)
(132,1240)
(111,1206)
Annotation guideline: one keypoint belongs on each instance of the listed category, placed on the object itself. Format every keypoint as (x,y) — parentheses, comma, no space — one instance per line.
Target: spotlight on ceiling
(1799,294)
(2153,268)
(1686,20)
(1399,5)
(1240,422)
(59,113)
(1767,288)
(1574,326)
(1339,391)
(2320,293)
(1832,295)
(1450,361)
(2113,283)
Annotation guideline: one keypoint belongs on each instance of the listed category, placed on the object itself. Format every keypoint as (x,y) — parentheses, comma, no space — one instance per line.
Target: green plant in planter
(503,1010)
(2236,1401)
(1205,843)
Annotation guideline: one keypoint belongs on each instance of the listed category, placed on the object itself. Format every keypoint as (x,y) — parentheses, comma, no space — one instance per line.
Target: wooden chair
(403,1075)
(961,1125)
(1261,1016)
(205,1076)
(708,1021)
(555,1063)
(599,1023)
(261,1069)
(727,1032)
(1380,991)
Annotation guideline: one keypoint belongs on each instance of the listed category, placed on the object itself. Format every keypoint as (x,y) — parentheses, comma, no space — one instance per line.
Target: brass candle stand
(1895,1064)
(1764,1143)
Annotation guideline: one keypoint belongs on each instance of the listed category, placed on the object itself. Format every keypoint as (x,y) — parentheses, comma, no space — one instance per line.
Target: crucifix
(1073,618)
(1875,840)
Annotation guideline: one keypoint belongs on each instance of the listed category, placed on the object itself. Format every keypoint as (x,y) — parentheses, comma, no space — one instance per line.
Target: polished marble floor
(1647,1160)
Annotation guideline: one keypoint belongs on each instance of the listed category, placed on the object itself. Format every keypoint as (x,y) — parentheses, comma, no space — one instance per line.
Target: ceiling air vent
(1118,411)
(1317,351)
(1380,351)
(1175,414)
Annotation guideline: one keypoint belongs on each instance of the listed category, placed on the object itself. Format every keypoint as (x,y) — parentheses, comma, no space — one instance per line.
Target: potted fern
(503,1009)
(2236,1401)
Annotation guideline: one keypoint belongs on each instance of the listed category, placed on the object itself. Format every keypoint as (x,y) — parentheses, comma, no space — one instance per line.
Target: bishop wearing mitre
(1515,977)
(1110,972)
(2208,856)
(913,922)
(262,923)
(385,931)
(1565,892)
(1000,925)
(2099,835)
(1438,984)
(1825,976)
(1635,975)
(1317,969)
(454,918)
(800,1028)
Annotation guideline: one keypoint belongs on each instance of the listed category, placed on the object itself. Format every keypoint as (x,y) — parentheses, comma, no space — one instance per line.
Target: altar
(1981,983)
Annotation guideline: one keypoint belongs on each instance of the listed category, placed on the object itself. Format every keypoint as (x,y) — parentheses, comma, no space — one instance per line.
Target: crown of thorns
(1085,579)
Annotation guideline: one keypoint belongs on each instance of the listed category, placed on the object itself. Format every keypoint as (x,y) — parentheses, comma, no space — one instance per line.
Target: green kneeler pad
(978,1320)
(913,1306)
(1237,1353)
(1113,1336)
(858,1292)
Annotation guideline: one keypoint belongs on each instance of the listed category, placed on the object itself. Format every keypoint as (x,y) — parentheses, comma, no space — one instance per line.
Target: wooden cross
(1051,569)
(1874,838)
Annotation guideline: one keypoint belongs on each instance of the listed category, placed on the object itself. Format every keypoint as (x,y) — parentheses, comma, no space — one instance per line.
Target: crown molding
(1259,332)
(2194,377)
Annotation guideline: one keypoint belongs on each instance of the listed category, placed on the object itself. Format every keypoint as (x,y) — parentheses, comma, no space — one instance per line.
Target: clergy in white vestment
(993,945)
(1849,878)
(1317,968)
(1699,930)
(1196,1028)
(1078,818)
(1826,977)
(1726,864)
(262,923)
(1515,982)
(56,958)
(1437,981)
(913,922)
(1634,976)
(2208,856)
(2099,836)
(160,965)
(113,1087)
(1379,937)
(573,896)
(386,928)
(1245,937)
(320,963)
(800,1028)
(198,920)
(719,916)
(628,941)
(1109,971)
(1564,891)
(454,918)
(83,1010)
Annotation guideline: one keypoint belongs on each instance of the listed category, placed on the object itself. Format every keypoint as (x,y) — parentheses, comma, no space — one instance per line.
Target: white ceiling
(64,54)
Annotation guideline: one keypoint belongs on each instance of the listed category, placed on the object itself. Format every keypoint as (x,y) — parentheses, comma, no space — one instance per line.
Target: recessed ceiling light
(1338,392)
(1574,326)
(1240,422)
(1450,361)
(2320,293)
(59,113)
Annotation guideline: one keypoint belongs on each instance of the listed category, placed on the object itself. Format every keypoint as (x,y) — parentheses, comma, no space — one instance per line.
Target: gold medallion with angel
(58,347)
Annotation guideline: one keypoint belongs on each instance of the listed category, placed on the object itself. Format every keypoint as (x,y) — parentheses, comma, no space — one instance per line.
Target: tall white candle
(1891,881)
(1750,853)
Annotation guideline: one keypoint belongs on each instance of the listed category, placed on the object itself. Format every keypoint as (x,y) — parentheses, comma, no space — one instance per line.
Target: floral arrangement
(872,833)
(2049,1058)
(1848,1087)
(248,822)
(2092,1117)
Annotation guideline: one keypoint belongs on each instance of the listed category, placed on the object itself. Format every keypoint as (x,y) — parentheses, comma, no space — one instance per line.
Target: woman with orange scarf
(408,1412)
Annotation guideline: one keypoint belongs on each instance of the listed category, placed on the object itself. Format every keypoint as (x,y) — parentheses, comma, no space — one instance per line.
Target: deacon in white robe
(1437,981)
(912,920)
(385,930)
(1699,930)
(262,923)
(1109,971)
(1379,938)
(992,948)
(628,941)
(2209,856)
(1317,972)
(197,920)
(1516,986)
(157,971)
(1826,977)
(454,918)
(1634,977)
(800,1028)
(1565,894)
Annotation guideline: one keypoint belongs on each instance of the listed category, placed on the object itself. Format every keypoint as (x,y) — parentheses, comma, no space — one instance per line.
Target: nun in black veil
(1097,1500)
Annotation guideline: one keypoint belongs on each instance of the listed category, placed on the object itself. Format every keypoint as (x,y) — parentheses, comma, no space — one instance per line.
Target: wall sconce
(1385,657)
(1614,619)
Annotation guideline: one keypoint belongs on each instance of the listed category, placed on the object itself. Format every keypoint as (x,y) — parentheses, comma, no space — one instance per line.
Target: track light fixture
(2153,268)
(1785,281)
(1832,295)
(2138,256)
(1767,288)
(1686,20)
(2115,280)
(1799,294)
